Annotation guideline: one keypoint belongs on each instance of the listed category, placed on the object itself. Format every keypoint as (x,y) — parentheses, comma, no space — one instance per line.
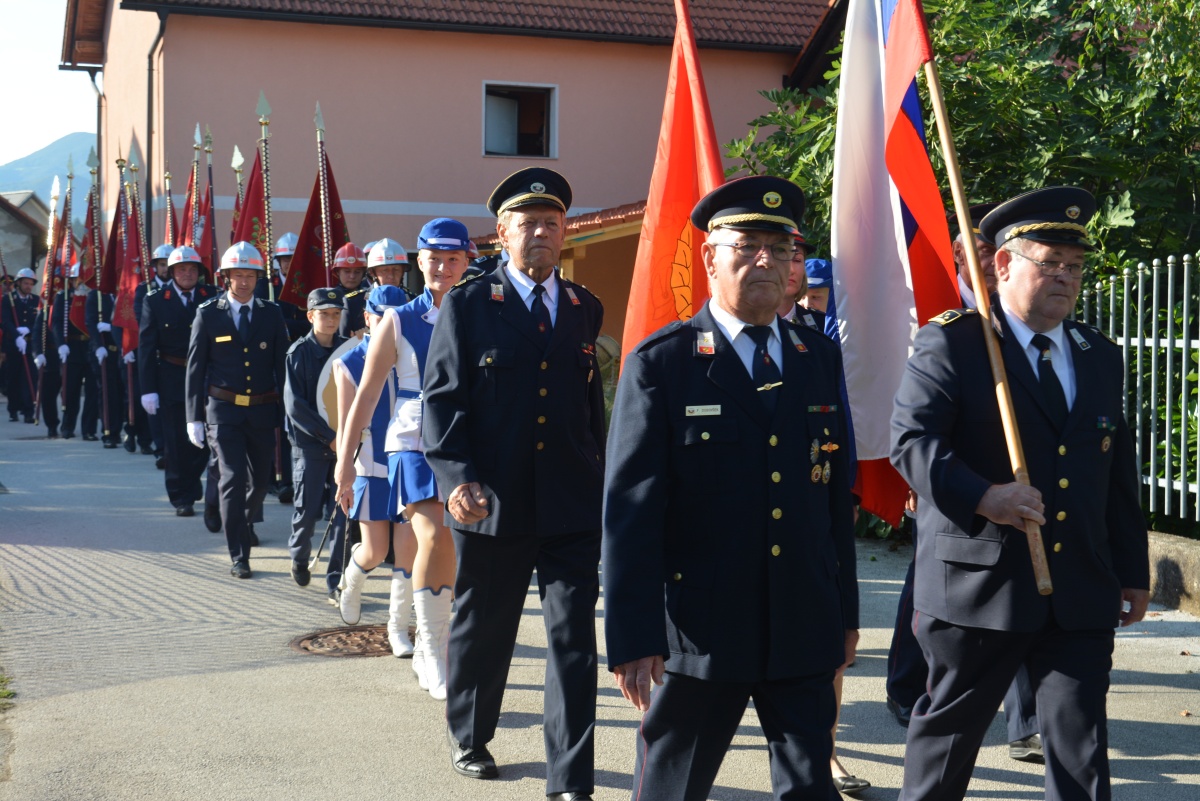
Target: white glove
(100,354)
(102,327)
(195,434)
(63,352)
(22,330)
(21,345)
(131,357)
(150,402)
(40,360)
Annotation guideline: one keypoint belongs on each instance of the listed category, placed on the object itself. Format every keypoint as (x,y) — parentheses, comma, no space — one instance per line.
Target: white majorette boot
(433,625)
(350,604)
(399,609)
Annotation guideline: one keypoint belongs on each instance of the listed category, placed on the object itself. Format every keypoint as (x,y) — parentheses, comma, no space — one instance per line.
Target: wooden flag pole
(1008,416)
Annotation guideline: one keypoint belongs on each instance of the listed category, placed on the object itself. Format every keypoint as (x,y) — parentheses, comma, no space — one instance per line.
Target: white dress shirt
(743,345)
(1060,354)
(525,284)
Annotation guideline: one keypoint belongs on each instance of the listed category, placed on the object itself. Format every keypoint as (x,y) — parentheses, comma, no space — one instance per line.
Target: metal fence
(1152,313)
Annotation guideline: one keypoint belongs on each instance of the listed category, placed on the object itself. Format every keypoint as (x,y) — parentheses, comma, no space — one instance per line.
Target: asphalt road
(142,670)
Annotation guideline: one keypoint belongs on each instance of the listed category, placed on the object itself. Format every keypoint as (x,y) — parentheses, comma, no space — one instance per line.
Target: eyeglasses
(780,251)
(1053,269)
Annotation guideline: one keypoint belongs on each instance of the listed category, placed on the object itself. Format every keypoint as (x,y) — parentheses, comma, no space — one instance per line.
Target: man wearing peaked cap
(235,378)
(725,602)
(981,616)
(163,337)
(514,431)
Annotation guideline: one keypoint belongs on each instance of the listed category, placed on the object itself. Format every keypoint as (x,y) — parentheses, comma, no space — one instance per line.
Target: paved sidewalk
(142,670)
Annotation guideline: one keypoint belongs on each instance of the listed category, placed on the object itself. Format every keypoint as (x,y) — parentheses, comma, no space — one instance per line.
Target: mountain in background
(37,170)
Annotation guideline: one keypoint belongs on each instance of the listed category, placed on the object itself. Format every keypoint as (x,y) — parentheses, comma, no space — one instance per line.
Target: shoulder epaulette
(209,302)
(354,293)
(470,278)
(658,335)
(949,316)
(1091,329)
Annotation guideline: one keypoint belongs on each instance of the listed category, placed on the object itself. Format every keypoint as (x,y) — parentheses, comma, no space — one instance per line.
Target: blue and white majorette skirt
(371,500)
(411,479)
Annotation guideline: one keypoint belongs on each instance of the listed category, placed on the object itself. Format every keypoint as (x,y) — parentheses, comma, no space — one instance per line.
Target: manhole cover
(347,641)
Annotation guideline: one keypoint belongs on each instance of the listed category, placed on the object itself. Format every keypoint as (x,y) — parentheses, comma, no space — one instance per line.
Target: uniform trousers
(156,433)
(138,434)
(691,722)
(490,589)
(81,381)
(970,669)
(51,381)
(108,371)
(185,462)
(314,503)
(19,388)
(244,451)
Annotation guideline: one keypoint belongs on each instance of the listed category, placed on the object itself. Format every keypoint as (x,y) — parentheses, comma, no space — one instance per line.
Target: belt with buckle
(242,400)
(178,360)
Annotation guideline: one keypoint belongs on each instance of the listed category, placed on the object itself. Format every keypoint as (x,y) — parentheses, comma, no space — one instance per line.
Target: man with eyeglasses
(979,614)
(729,568)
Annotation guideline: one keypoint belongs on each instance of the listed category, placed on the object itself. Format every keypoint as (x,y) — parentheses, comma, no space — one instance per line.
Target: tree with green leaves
(1086,92)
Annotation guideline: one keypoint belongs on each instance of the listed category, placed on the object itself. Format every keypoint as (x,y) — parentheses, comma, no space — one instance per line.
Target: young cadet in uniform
(235,374)
(369,498)
(349,265)
(729,566)
(403,342)
(73,350)
(163,338)
(314,441)
(513,428)
(981,616)
(106,347)
(18,309)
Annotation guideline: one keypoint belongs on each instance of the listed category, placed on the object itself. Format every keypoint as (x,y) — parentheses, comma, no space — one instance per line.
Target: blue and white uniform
(409,475)
(371,491)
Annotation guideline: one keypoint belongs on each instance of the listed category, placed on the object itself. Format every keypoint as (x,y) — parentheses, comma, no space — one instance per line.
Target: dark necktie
(1051,387)
(244,324)
(541,315)
(187,299)
(764,371)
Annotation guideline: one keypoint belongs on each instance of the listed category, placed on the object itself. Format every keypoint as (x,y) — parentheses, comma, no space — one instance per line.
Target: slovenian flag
(893,267)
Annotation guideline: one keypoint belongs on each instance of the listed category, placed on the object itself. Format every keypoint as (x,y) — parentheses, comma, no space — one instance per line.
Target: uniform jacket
(100,310)
(25,309)
(40,333)
(218,357)
(75,334)
(527,424)
(163,338)
(728,533)
(948,443)
(143,289)
(307,430)
(354,301)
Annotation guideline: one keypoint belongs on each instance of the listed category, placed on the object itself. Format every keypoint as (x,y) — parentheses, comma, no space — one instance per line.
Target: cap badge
(772,200)
(537,186)
(1073,212)
(332,295)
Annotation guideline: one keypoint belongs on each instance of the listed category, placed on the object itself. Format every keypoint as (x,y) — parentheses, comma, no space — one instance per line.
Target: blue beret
(819,272)
(443,233)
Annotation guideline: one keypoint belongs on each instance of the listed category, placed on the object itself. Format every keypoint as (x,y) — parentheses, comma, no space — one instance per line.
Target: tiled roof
(742,24)
(592,221)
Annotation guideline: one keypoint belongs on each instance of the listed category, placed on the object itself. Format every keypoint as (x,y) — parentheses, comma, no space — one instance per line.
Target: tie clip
(769,386)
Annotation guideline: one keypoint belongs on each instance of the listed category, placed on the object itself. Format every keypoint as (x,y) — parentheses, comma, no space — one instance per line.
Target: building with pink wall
(427,106)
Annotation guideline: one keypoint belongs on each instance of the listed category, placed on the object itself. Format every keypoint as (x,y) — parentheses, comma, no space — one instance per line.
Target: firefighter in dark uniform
(981,615)
(164,335)
(148,426)
(349,267)
(729,565)
(74,351)
(234,384)
(514,432)
(106,363)
(18,309)
(48,364)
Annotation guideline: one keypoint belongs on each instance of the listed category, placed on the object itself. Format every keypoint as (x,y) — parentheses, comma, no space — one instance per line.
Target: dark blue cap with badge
(443,233)
(383,298)
(977,212)
(324,298)
(532,186)
(758,202)
(819,272)
(1054,215)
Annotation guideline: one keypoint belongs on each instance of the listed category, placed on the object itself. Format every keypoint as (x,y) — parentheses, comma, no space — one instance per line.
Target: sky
(38,102)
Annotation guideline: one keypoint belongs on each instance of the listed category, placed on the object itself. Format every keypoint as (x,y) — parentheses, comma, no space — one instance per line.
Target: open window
(519,120)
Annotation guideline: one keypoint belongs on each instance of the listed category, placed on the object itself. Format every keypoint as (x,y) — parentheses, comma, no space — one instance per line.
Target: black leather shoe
(130,445)
(287,494)
(187,510)
(212,518)
(160,462)
(1027,750)
(52,433)
(110,443)
(147,450)
(253,537)
(903,714)
(90,438)
(569,797)
(850,784)
(240,570)
(474,763)
(300,572)
(68,435)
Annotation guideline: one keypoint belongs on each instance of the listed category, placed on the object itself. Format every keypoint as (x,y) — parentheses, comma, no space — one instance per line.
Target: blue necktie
(1051,386)
(244,324)
(764,371)
(541,314)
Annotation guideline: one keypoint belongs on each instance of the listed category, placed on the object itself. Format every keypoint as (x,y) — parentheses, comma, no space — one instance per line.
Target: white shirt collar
(732,326)
(524,284)
(968,295)
(1025,334)
(235,307)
